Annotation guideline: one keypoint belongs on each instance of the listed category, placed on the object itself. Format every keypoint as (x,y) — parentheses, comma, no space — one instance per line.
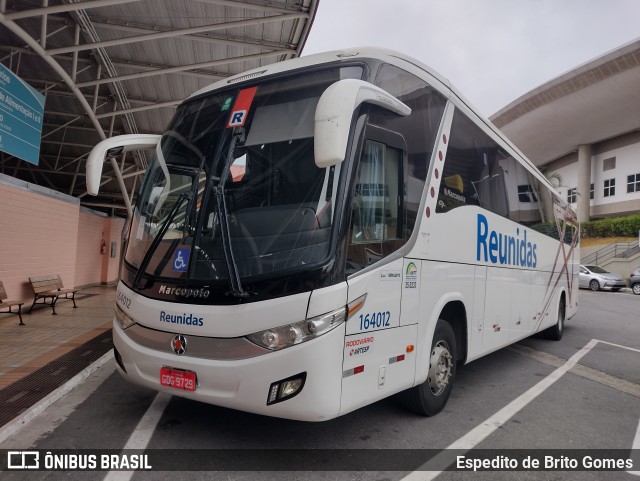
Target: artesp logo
(412,271)
(359,350)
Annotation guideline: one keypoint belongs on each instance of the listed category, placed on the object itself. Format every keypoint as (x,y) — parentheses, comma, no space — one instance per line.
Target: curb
(16,424)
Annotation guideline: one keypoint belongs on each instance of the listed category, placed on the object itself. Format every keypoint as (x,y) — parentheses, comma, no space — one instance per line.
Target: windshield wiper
(156,241)
(221,209)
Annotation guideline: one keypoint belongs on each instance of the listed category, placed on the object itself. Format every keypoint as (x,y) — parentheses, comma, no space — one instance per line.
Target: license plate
(185,380)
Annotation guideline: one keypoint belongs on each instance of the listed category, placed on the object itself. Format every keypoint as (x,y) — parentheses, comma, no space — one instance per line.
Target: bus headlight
(124,321)
(298,332)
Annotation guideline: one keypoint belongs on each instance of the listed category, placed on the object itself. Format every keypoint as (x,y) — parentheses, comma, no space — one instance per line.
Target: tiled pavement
(45,337)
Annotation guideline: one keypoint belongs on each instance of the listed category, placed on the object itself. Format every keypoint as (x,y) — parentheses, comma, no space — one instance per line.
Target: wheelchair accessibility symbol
(181,260)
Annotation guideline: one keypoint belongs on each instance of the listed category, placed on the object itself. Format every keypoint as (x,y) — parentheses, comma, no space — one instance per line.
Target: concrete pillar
(584,182)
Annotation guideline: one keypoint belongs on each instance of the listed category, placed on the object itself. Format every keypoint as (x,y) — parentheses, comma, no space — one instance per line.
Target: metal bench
(5,303)
(49,289)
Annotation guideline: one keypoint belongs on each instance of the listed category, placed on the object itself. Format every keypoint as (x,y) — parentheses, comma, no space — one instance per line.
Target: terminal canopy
(111,67)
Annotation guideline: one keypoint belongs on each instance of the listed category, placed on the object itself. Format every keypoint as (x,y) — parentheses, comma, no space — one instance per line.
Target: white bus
(321,233)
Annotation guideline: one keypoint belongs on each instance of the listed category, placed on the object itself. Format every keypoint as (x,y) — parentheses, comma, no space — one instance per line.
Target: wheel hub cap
(439,368)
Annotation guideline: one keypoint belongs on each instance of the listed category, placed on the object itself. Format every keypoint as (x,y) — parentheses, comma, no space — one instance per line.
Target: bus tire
(554,333)
(430,397)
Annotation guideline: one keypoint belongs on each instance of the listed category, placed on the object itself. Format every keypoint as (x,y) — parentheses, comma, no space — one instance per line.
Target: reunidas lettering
(505,249)
(186,319)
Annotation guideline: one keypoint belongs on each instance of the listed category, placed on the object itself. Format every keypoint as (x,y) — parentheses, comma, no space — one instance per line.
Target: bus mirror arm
(114,152)
(334,113)
(113,147)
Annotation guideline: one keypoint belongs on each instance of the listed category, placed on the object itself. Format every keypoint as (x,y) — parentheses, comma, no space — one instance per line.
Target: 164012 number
(375,320)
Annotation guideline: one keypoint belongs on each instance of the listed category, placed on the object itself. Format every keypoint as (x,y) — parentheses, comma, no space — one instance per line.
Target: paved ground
(45,337)
(504,400)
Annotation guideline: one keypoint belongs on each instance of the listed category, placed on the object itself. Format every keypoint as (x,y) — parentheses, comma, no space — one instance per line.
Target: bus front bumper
(244,384)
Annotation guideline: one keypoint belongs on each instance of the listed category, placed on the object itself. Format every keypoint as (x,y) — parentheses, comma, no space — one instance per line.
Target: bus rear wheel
(554,333)
(430,397)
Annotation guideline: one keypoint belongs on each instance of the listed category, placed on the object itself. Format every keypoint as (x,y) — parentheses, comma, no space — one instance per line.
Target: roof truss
(94,61)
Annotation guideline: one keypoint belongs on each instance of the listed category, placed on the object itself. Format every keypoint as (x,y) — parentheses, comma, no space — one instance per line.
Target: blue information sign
(21,112)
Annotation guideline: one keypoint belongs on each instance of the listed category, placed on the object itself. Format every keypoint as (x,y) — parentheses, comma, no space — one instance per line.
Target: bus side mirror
(112,147)
(334,113)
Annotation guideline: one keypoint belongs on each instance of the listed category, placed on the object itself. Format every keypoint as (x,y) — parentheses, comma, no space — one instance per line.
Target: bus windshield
(233,185)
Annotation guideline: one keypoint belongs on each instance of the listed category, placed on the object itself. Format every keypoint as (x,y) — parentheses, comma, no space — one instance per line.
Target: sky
(492,51)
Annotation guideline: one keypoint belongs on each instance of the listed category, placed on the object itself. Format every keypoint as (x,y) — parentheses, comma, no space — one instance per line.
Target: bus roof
(385,55)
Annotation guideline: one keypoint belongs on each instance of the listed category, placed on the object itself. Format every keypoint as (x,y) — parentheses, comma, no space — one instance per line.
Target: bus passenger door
(375,357)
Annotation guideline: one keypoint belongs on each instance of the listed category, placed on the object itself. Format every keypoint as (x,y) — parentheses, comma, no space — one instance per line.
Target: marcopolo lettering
(504,249)
(178,291)
(186,319)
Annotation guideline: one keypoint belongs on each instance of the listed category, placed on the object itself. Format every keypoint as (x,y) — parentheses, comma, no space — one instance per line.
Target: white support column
(584,183)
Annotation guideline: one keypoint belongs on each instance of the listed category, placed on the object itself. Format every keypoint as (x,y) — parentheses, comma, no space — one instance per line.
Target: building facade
(582,129)
(614,183)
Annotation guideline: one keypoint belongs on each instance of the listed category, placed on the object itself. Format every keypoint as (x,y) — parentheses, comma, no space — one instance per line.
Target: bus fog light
(273,393)
(290,387)
(286,388)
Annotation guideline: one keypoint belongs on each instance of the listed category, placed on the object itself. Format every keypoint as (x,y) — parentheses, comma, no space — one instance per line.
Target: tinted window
(479,172)
(474,170)
(392,169)
(419,129)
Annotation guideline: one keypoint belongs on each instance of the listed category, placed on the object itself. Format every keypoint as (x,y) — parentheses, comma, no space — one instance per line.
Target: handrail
(618,249)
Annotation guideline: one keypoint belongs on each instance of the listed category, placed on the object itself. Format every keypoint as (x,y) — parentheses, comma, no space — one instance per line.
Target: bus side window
(473,170)
(419,131)
(478,171)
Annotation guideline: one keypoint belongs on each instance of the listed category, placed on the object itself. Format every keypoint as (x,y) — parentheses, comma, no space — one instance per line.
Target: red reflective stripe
(245,97)
(241,107)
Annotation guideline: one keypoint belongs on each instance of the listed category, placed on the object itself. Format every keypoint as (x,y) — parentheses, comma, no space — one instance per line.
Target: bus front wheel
(430,397)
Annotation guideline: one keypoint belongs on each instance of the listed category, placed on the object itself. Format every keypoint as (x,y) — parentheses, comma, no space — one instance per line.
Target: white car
(596,278)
